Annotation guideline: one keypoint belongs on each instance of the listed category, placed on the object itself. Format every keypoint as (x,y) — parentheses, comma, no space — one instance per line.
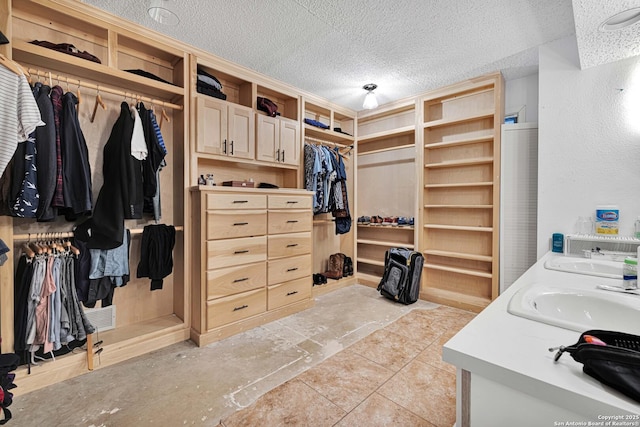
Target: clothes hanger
(79,96)
(163,116)
(11,65)
(26,249)
(95,106)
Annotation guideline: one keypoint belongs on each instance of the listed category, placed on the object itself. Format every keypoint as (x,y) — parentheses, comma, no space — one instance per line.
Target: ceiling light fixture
(160,11)
(370,101)
(621,20)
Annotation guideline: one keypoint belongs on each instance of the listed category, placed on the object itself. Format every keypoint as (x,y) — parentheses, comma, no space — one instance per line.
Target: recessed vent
(103,318)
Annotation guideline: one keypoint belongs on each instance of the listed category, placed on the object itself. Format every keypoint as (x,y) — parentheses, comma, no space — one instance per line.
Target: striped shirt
(19,114)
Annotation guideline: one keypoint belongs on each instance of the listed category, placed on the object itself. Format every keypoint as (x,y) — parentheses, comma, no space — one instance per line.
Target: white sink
(577,309)
(588,266)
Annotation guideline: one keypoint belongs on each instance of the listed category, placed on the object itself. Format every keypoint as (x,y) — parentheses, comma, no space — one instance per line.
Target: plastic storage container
(630,273)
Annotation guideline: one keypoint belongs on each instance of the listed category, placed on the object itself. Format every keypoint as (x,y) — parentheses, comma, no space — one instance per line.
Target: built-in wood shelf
(483,114)
(460,185)
(371,261)
(459,228)
(388,134)
(458,270)
(460,141)
(465,162)
(385,243)
(382,150)
(458,206)
(459,255)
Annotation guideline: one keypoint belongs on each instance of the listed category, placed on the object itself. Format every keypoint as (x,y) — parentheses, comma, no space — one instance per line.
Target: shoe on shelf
(387,221)
(403,221)
(411,222)
(366,220)
(376,220)
(394,221)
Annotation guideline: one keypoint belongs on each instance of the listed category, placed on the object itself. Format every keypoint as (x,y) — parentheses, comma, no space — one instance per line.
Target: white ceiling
(331,48)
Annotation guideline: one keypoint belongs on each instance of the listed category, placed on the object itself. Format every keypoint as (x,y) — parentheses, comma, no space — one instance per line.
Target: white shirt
(138,143)
(19,114)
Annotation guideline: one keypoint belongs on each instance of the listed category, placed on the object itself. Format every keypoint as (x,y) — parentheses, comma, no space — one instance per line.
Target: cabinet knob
(242,251)
(240,223)
(291,245)
(224,146)
(292,293)
(292,221)
(240,308)
(292,269)
(292,202)
(232,147)
(244,279)
(278,155)
(240,201)
(283,155)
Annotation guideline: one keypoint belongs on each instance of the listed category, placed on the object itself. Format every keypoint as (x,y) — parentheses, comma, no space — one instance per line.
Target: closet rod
(100,88)
(67,234)
(325,142)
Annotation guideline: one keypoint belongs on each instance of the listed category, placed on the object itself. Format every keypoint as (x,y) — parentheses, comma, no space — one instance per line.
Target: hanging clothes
(19,114)
(46,160)
(118,196)
(56,100)
(152,164)
(76,170)
(156,253)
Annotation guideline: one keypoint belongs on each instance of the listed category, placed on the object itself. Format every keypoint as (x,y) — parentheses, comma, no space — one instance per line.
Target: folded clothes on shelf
(67,48)
(316,123)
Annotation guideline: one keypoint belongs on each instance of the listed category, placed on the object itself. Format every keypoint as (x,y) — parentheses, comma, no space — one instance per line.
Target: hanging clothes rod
(67,234)
(75,82)
(325,142)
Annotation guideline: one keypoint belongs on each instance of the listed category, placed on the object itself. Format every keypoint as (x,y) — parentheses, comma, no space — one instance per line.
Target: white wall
(521,96)
(589,140)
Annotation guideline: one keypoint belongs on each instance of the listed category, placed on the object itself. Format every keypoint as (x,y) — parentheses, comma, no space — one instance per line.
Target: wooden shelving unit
(325,241)
(145,321)
(386,145)
(461,189)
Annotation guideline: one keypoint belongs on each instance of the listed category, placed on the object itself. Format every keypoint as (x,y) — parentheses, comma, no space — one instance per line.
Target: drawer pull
(240,223)
(292,269)
(291,221)
(291,245)
(241,252)
(292,293)
(292,201)
(244,279)
(241,307)
(240,201)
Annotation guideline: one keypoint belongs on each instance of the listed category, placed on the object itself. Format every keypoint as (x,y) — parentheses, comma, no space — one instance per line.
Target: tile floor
(347,361)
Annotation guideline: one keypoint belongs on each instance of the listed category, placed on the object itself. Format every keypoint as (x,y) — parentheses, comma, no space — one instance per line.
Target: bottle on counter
(630,273)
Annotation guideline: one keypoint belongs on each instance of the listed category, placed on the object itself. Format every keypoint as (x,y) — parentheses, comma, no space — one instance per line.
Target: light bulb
(370,101)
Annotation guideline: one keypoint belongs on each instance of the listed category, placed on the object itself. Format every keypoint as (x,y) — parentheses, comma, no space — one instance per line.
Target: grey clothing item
(55,305)
(39,271)
(112,263)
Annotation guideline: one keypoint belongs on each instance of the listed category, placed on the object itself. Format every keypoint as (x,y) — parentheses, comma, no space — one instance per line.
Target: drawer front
(236,307)
(289,222)
(228,252)
(288,293)
(229,224)
(236,201)
(234,280)
(285,245)
(285,269)
(289,202)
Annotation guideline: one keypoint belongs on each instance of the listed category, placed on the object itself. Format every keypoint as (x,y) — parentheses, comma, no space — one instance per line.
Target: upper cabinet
(278,138)
(225,129)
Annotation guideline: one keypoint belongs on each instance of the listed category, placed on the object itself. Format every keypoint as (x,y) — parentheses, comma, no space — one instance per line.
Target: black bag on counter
(613,358)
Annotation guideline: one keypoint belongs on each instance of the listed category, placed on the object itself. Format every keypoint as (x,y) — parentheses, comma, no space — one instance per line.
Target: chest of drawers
(254,262)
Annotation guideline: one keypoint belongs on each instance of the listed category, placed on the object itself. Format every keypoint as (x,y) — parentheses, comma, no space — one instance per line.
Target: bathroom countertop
(513,351)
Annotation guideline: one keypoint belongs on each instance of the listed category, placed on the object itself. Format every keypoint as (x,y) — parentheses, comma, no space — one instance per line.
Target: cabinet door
(268,135)
(212,125)
(289,142)
(241,135)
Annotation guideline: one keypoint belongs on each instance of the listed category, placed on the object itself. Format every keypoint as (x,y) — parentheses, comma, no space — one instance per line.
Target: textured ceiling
(332,47)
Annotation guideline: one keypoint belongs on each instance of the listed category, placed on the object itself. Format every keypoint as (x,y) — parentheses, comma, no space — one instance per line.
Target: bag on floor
(402,272)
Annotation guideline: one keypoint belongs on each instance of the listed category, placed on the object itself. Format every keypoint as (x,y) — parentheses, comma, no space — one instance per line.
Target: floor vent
(103,318)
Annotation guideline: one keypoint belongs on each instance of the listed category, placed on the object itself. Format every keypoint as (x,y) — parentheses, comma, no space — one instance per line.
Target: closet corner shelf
(459,255)
(41,57)
(483,114)
(388,134)
(328,135)
(465,271)
(458,206)
(465,162)
(461,184)
(368,279)
(461,141)
(459,228)
(384,243)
